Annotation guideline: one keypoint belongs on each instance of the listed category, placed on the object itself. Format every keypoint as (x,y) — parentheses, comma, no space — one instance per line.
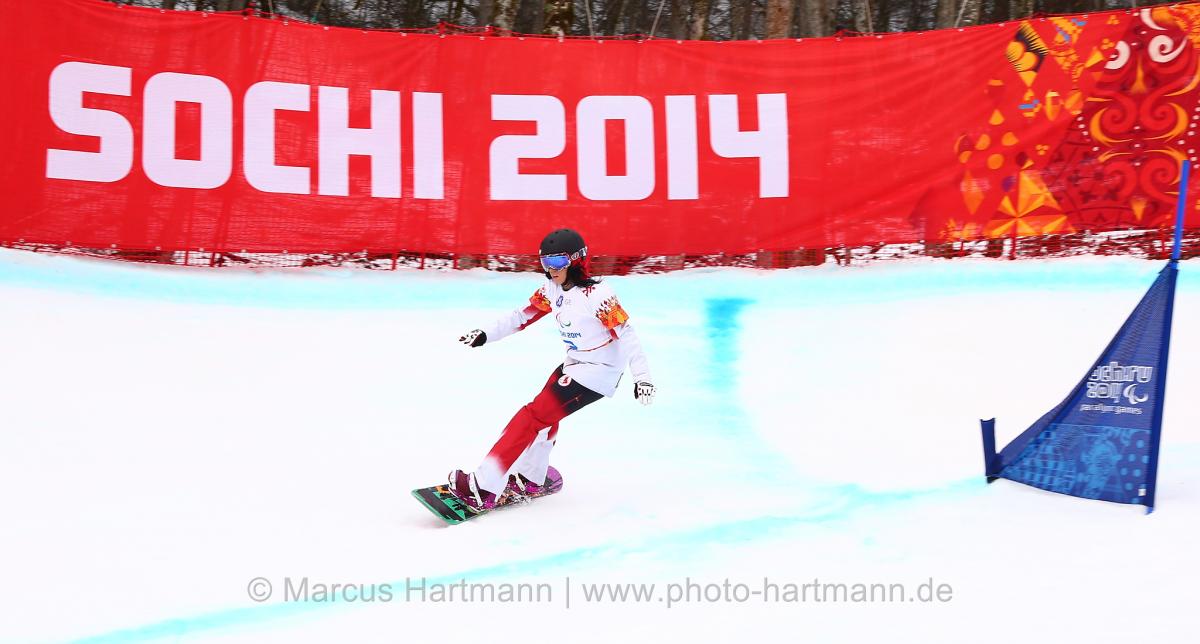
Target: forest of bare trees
(680,19)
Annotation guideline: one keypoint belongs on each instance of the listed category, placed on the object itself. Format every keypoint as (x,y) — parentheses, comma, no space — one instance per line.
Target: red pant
(559,398)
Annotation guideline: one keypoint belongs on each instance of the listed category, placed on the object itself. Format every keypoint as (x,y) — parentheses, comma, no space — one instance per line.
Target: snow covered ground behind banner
(171,434)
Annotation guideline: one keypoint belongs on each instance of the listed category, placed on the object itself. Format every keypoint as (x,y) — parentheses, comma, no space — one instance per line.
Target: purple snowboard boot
(464,486)
(520,486)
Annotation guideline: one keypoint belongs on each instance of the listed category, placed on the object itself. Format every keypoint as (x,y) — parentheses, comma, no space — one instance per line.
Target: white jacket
(599,339)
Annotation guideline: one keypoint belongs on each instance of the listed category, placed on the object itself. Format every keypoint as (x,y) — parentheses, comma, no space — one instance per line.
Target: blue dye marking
(722,328)
(844,500)
(722,303)
(722,414)
(353,289)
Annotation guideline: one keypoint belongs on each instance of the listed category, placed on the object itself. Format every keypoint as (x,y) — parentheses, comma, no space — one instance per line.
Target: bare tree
(483,12)
(557,16)
(883,15)
(695,19)
(1020,8)
(970,12)
(504,13)
(699,23)
(678,19)
(614,10)
(779,17)
(861,9)
(740,16)
(947,13)
(816,18)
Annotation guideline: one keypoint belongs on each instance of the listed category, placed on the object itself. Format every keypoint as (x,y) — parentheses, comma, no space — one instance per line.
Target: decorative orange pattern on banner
(1089,127)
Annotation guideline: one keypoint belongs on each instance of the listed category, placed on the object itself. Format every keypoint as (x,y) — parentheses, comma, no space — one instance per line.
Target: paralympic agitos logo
(1114,381)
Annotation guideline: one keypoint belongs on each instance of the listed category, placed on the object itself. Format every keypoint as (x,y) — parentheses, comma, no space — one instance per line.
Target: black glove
(643,391)
(474,338)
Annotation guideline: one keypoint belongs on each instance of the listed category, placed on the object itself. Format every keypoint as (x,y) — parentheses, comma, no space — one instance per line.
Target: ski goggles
(559,261)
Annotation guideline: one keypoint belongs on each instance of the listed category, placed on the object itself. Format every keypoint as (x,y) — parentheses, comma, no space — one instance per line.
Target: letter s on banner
(68,82)
(505,153)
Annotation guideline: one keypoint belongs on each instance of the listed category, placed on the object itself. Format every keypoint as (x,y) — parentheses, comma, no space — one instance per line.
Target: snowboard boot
(520,486)
(466,489)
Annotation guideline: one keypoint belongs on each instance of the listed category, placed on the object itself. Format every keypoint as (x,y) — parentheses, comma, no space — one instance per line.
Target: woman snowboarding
(599,341)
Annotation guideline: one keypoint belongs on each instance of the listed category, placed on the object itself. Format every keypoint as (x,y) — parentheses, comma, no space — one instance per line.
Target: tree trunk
(1020,9)
(816,18)
(883,16)
(616,9)
(914,15)
(414,11)
(531,17)
(738,13)
(557,17)
(169,5)
(971,11)
(779,18)
(947,13)
(299,6)
(679,24)
(641,16)
(454,12)
(504,13)
(699,27)
(862,16)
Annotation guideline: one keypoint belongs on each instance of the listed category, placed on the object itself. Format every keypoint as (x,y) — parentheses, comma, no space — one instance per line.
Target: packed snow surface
(177,439)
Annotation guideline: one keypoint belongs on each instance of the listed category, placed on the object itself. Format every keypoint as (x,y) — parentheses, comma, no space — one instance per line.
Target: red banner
(141,129)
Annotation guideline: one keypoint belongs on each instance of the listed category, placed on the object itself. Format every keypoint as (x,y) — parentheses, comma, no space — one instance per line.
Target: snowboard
(440,501)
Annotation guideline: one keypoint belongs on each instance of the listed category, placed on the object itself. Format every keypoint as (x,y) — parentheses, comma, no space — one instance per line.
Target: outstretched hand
(474,338)
(644,392)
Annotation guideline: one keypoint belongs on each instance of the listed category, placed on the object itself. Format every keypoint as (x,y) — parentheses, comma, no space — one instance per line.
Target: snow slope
(170,434)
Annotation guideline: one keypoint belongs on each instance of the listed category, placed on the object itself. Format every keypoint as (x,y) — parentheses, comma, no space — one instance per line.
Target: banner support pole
(1180,207)
(1156,436)
(988,427)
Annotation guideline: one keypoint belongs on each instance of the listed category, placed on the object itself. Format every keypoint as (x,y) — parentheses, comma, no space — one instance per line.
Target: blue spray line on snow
(722,328)
(344,288)
(722,379)
(367,290)
(842,501)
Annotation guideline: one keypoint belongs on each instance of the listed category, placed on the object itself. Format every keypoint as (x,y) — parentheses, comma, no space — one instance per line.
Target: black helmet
(564,241)
(564,248)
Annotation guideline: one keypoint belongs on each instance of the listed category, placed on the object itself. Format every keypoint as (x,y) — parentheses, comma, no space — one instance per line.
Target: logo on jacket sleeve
(610,313)
(565,381)
(538,301)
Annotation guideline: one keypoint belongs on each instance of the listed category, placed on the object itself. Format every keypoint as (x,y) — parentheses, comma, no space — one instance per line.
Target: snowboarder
(599,340)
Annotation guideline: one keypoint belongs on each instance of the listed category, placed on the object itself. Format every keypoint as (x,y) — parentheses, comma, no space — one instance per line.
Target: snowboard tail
(445,505)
